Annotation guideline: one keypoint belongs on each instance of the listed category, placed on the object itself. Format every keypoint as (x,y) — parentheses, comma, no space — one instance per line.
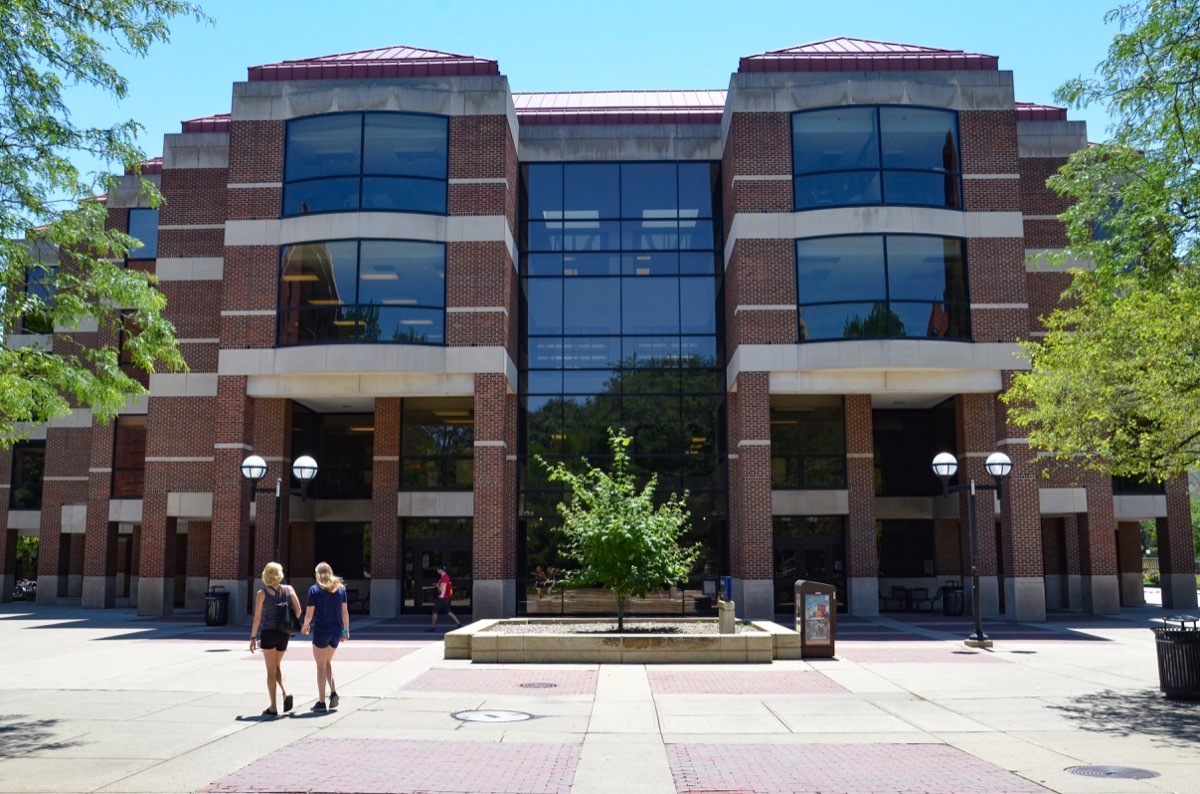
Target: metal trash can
(952,601)
(216,606)
(1178,658)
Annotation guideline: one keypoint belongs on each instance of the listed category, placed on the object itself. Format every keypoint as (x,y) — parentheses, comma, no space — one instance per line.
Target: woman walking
(328,620)
(271,597)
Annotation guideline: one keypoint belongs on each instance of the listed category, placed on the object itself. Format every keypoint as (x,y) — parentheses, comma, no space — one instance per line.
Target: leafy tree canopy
(52,228)
(1115,383)
(616,534)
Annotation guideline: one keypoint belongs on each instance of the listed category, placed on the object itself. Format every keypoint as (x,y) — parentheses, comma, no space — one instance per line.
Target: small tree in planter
(616,534)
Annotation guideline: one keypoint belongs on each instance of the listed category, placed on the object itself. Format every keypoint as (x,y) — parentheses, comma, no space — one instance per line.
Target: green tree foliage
(616,534)
(1115,383)
(47,207)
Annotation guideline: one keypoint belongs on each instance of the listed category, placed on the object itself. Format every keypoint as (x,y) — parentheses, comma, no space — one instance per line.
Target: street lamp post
(998,465)
(254,468)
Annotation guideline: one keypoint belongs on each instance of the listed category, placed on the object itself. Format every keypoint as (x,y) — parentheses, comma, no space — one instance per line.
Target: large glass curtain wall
(620,285)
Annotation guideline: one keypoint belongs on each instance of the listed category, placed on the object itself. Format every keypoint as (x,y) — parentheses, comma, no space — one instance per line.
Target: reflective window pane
(319,274)
(924,268)
(402,273)
(544,192)
(404,144)
(650,306)
(846,188)
(698,262)
(589,235)
(591,190)
(696,188)
(650,235)
(591,351)
(697,306)
(322,146)
(840,268)
(545,305)
(650,263)
(843,320)
(695,235)
(590,381)
(321,195)
(923,189)
(650,351)
(408,326)
(592,306)
(919,138)
(648,190)
(579,264)
(404,195)
(544,382)
(543,264)
(834,140)
(143,225)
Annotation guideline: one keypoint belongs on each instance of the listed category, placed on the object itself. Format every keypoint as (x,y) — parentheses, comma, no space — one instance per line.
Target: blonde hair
(272,574)
(326,579)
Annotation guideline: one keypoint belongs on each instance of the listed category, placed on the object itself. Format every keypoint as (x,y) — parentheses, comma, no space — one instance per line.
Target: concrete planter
(480,642)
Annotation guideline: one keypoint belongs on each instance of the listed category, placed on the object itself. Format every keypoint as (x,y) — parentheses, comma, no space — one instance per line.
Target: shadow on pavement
(1144,713)
(22,735)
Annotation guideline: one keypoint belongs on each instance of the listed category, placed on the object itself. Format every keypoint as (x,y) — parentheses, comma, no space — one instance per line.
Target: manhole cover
(1123,772)
(491,715)
(539,685)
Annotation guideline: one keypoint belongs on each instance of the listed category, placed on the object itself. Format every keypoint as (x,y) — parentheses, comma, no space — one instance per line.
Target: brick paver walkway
(383,766)
(741,682)
(837,769)
(945,655)
(347,652)
(506,681)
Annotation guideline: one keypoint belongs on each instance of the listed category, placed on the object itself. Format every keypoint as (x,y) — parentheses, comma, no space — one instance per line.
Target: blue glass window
(882,286)
(389,162)
(362,291)
(143,226)
(876,155)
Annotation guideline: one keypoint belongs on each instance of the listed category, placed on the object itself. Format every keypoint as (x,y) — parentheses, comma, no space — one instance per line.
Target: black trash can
(216,606)
(1178,658)
(952,601)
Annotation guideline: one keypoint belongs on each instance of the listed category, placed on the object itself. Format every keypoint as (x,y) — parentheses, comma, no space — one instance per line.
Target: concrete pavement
(104,701)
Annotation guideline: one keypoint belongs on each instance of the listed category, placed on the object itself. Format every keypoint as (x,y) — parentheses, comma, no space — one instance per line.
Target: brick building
(793,293)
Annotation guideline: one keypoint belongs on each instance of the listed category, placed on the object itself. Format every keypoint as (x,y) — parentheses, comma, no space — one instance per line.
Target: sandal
(287,704)
(270,713)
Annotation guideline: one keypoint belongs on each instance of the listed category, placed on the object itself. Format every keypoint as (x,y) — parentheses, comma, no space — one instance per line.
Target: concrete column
(494,544)
(386,577)
(862,549)
(1176,549)
(753,565)
(1129,564)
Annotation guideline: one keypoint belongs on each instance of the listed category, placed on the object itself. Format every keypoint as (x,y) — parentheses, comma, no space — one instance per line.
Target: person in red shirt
(441,604)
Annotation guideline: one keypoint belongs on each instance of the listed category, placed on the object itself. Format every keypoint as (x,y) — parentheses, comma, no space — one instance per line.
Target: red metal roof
(1032,111)
(383,62)
(620,107)
(862,55)
(151,166)
(215,123)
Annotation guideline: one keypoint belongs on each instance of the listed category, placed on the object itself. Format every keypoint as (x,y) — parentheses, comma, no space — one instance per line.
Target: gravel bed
(631,627)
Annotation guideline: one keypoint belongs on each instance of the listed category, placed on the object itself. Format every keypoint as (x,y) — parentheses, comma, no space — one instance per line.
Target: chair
(920,595)
(899,597)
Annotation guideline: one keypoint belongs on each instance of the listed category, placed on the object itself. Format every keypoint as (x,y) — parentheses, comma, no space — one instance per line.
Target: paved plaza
(106,701)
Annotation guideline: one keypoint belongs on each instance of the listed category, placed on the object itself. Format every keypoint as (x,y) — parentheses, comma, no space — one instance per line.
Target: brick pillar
(494,543)
(100,541)
(1024,585)
(1176,549)
(947,548)
(1129,564)
(1098,548)
(386,578)
(272,440)
(1070,525)
(75,552)
(199,540)
(64,485)
(135,563)
(8,536)
(862,548)
(229,560)
(752,540)
(1053,557)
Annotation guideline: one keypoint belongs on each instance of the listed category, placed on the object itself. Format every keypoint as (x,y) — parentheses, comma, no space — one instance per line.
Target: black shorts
(273,640)
(441,606)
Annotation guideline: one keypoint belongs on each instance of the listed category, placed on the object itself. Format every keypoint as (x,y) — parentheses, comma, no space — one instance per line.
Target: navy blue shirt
(327,615)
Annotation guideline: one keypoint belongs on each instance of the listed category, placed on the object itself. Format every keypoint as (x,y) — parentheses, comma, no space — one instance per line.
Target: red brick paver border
(741,682)
(506,682)
(385,766)
(837,769)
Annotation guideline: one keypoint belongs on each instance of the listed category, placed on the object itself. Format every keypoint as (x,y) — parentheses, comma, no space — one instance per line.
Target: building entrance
(808,547)
(427,544)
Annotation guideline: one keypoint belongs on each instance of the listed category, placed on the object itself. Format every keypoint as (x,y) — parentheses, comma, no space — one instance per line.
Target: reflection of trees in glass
(881,322)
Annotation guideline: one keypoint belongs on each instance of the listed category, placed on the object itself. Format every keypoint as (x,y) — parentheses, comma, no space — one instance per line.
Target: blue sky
(587,45)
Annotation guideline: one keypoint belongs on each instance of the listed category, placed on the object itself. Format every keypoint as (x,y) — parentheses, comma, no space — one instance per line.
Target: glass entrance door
(427,544)
(811,548)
